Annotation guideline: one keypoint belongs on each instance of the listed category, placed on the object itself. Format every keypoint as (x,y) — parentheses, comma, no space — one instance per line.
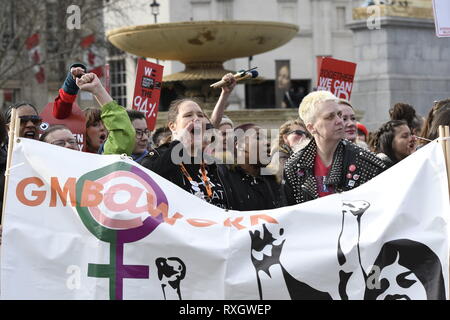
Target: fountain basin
(202,41)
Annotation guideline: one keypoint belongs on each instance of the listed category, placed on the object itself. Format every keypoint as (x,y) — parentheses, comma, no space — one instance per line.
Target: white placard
(442,17)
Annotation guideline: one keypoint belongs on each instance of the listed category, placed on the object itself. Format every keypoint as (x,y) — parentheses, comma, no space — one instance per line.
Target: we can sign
(147,90)
(337,77)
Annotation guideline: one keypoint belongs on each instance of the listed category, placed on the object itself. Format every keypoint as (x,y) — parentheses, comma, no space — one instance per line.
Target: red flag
(87,41)
(35,58)
(40,76)
(32,41)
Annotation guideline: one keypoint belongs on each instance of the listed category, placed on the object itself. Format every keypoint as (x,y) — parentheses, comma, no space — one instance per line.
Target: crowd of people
(324,151)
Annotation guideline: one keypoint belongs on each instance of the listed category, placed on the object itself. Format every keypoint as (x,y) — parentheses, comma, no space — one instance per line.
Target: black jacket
(160,161)
(351,167)
(254,193)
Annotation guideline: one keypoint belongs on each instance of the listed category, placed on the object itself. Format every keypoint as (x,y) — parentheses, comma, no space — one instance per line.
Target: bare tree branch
(27,17)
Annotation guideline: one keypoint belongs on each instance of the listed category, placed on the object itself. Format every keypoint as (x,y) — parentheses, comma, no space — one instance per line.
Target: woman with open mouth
(394,141)
(29,120)
(110,119)
(29,128)
(96,133)
(254,188)
(184,162)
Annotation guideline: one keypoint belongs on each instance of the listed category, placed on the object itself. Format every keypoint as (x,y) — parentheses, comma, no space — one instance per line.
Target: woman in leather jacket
(328,164)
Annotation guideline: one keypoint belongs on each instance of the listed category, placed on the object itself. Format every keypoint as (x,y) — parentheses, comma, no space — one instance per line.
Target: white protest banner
(441,10)
(85,226)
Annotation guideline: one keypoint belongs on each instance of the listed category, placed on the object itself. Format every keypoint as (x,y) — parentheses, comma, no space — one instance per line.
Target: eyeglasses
(35,119)
(297,132)
(140,133)
(62,143)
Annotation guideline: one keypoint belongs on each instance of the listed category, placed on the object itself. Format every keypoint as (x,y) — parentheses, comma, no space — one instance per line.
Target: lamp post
(155,11)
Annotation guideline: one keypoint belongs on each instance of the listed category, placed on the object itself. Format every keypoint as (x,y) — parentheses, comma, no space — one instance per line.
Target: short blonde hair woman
(329,163)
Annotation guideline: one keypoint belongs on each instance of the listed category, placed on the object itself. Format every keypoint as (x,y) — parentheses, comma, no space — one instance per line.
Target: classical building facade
(398,55)
(322,32)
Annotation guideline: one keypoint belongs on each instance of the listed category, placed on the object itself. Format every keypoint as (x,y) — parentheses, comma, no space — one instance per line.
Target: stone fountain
(203,46)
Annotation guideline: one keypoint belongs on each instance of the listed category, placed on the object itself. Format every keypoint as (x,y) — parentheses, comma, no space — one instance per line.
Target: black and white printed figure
(170,272)
(265,254)
(348,250)
(403,270)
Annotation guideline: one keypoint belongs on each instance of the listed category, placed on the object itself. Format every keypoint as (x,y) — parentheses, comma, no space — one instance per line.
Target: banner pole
(445,144)
(447,158)
(11,140)
(445,133)
(447,151)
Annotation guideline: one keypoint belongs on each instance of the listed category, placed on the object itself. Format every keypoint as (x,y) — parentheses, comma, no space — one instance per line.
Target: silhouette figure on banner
(403,270)
(170,272)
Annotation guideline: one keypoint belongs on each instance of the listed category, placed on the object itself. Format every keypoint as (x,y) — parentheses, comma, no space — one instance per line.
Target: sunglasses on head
(35,119)
(297,132)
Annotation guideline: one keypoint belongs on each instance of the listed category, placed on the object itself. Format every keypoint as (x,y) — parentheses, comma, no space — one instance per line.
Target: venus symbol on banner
(117,221)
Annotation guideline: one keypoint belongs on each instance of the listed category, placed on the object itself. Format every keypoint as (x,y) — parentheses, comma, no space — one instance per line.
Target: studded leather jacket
(351,167)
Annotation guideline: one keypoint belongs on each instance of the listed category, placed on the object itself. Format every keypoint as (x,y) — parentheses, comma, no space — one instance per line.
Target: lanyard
(204,178)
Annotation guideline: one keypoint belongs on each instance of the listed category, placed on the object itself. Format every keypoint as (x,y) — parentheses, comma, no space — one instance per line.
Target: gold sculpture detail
(420,9)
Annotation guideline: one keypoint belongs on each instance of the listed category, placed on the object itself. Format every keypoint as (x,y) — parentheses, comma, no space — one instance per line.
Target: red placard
(147,90)
(76,122)
(337,77)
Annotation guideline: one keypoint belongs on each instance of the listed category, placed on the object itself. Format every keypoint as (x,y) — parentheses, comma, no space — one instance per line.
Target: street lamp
(155,9)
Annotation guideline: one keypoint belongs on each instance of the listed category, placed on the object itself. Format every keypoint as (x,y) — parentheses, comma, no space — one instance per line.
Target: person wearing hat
(363,133)
(226,123)
(67,94)
(362,136)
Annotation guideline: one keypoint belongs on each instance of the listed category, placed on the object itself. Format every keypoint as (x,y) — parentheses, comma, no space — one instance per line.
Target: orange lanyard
(204,178)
